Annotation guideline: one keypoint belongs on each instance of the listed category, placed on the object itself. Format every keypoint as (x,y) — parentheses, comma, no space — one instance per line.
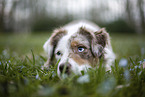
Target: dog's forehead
(78,35)
(67,40)
(79,39)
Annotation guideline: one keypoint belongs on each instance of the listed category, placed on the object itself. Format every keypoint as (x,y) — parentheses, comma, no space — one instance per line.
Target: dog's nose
(65,68)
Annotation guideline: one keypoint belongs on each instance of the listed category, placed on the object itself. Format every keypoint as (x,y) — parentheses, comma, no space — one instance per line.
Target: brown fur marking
(86,33)
(84,57)
(78,59)
(58,34)
(102,37)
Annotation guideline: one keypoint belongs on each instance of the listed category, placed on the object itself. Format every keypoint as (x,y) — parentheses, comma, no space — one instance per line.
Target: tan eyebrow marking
(74,44)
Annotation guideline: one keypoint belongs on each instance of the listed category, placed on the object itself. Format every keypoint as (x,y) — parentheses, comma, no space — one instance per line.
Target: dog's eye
(81,49)
(58,53)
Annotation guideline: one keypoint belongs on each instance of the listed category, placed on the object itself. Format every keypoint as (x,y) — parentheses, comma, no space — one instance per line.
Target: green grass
(21,58)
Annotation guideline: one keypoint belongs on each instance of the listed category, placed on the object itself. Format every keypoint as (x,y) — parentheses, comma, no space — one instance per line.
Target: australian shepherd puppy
(78,46)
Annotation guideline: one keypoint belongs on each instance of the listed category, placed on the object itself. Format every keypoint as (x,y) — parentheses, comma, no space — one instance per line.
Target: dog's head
(77,51)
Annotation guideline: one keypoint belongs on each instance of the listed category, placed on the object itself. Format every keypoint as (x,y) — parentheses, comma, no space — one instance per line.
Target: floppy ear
(50,45)
(100,42)
(102,37)
(48,48)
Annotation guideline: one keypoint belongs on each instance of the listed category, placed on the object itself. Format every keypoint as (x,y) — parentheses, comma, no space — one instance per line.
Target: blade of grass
(64,69)
(131,61)
(28,59)
(56,65)
(33,57)
(43,58)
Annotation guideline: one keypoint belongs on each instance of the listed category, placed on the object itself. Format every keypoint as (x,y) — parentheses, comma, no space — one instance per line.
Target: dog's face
(77,51)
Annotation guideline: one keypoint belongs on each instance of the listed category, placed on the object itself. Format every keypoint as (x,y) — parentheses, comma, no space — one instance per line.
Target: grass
(21,58)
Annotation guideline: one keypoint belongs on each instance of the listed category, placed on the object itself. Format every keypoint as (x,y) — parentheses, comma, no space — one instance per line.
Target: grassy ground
(21,57)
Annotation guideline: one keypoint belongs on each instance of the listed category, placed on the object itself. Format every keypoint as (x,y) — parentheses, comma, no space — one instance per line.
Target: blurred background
(27,24)
(33,16)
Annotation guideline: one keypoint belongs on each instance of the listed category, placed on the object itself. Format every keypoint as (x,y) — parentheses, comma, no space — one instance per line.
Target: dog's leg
(46,65)
(109,58)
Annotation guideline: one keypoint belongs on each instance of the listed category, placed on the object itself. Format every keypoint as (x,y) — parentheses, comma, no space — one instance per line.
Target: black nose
(65,68)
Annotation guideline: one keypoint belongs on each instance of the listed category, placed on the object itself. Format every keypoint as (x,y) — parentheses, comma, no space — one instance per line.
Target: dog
(78,46)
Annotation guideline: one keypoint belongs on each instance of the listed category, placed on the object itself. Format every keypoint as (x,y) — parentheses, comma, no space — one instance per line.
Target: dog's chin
(65,75)
(73,72)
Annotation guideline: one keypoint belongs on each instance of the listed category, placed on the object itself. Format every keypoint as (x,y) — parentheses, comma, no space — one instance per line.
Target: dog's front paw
(45,66)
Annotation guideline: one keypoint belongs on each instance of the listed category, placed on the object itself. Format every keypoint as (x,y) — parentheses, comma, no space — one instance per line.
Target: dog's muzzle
(65,68)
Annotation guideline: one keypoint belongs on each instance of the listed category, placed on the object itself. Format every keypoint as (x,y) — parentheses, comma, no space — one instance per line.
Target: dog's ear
(51,43)
(100,42)
(48,48)
(102,37)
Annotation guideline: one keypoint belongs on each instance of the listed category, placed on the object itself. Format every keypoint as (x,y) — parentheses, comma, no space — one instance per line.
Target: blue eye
(58,53)
(81,49)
